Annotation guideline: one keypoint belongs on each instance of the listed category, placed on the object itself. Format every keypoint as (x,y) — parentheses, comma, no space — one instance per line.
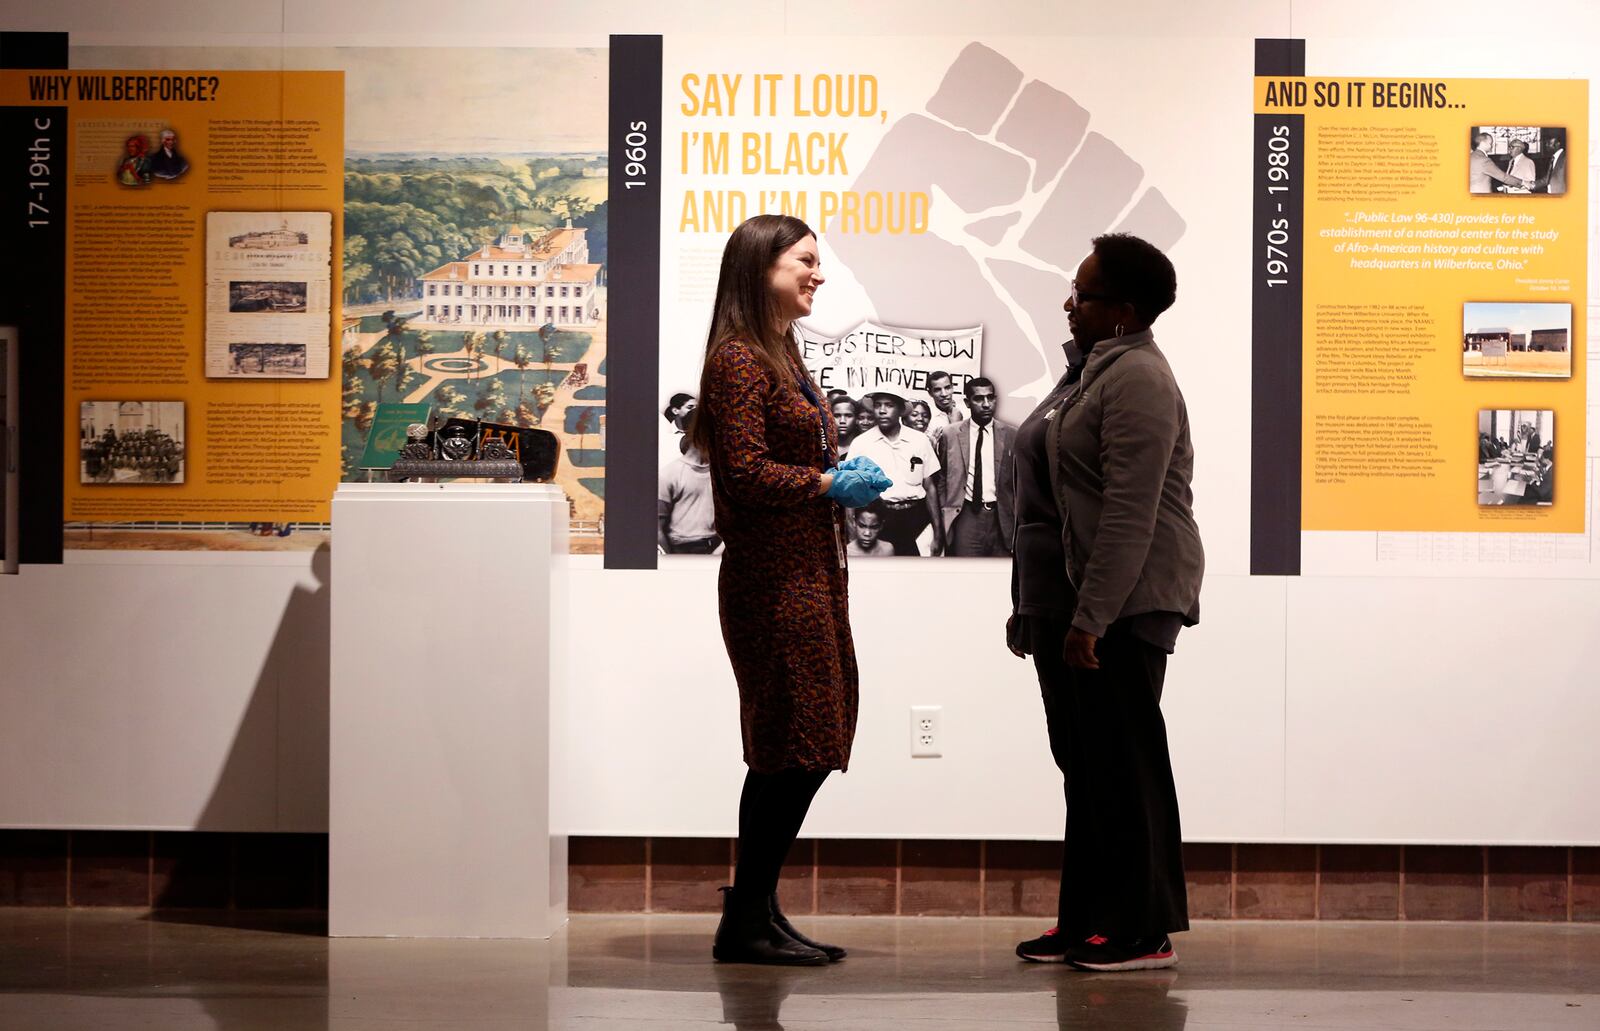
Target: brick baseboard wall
(212,870)
(1019,878)
(164,869)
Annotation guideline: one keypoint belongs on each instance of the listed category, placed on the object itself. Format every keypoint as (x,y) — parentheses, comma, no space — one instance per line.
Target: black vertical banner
(1276,326)
(33,266)
(633,301)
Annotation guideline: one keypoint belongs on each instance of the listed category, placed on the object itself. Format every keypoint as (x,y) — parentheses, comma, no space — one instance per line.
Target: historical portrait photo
(1517,159)
(130,442)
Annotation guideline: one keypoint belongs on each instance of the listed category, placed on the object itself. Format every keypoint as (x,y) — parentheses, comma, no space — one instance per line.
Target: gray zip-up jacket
(1120,466)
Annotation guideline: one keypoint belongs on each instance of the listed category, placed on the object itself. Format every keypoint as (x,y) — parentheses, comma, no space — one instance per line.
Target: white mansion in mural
(516,281)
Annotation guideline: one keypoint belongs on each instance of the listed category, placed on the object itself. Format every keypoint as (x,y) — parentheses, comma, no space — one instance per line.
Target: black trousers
(975,532)
(902,526)
(771,809)
(1122,855)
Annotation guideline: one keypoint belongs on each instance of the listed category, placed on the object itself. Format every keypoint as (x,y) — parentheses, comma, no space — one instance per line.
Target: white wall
(178,691)
(191,690)
(165,691)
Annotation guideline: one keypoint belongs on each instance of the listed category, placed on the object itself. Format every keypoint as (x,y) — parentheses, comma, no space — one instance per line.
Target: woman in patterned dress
(782,595)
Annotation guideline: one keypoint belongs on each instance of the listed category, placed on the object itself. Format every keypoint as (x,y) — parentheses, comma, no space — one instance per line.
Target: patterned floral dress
(783,587)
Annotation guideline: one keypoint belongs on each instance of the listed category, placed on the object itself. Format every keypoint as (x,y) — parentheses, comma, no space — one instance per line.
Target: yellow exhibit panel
(202,291)
(1444,250)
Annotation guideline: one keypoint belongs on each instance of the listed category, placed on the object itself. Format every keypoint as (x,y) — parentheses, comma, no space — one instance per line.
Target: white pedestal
(449,661)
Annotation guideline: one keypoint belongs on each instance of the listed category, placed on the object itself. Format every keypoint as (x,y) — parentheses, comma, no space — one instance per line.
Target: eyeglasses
(1078,296)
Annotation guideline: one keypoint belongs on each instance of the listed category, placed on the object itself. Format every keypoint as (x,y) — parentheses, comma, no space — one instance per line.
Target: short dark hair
(979,381)
(938,374)
(875,507)
(676,401)
(1136,271)
(835,394)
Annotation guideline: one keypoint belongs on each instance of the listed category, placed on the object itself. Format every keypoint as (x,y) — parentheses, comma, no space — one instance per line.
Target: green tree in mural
(381,364)
(472,344)
(521,358)
(424,344)
(406,216)
(401,371)
(395,329)
(500,338)
(356,269)
(588,422)
(351,390)
(395,241)
(450,401)
(396,262)
(491,399)
(595,222)
(547,333)
(544,395)
(367,411)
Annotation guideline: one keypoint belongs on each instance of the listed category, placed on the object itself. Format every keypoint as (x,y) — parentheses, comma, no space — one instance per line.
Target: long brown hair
(744,310)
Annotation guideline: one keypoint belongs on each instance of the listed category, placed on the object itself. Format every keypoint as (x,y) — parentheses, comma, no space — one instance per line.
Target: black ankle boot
(834,952)
(747,934)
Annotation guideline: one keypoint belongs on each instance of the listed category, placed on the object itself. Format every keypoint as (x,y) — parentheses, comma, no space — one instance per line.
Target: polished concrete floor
(115,969)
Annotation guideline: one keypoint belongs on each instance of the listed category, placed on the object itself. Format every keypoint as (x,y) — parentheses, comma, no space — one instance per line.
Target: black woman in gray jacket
(1107,570)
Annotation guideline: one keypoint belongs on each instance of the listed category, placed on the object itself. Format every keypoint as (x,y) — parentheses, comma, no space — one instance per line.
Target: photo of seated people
(1517,159)
(131,442)
(1516,457)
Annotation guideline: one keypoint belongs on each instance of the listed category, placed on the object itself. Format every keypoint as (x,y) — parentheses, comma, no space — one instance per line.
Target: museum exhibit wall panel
(1010,204)
(183,690)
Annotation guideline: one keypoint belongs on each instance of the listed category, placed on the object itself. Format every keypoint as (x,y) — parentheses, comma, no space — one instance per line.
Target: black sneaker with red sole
(1102,954)
(1049,947)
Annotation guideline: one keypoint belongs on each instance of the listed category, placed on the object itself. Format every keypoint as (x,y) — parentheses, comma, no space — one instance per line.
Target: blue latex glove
(857,488)
(864,464)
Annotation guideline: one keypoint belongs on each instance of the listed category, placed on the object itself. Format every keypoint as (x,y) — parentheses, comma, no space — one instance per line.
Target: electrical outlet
(927,738)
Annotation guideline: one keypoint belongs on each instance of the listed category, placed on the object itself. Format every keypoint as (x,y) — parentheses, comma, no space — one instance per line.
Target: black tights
(771,809)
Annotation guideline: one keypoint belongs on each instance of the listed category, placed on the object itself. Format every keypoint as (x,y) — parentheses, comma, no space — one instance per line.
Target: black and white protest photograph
(1516,457)
(1517,159)
(268,360)
(1514,340)
(948,453)
(129,442)
(912,522)
(266,295)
